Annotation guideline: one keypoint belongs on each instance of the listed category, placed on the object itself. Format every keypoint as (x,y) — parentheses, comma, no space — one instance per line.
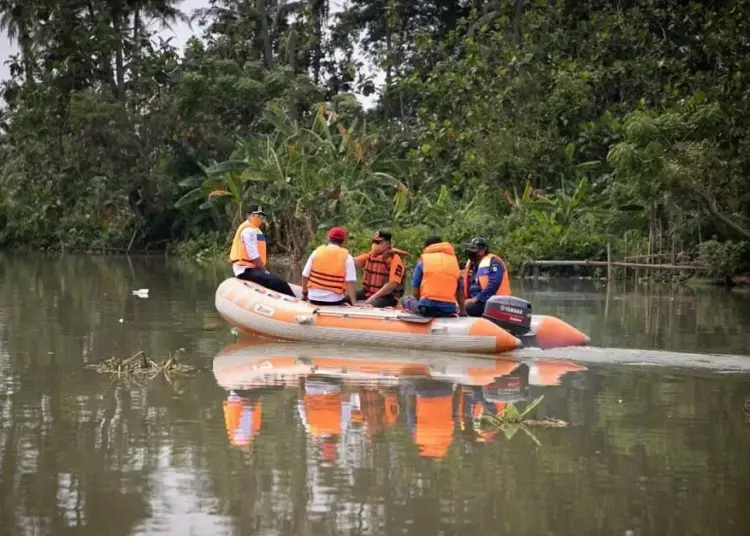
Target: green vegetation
(139,365)
(553,128)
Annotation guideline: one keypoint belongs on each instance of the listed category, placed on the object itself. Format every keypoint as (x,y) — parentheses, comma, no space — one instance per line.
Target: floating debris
(141,293)
(510,420)
(139,364)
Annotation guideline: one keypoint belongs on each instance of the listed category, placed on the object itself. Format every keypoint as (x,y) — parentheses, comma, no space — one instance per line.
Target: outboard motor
(513,387)
(510,313)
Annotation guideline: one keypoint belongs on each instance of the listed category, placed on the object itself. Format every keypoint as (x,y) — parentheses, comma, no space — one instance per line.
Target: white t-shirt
(326,295)
(249,238)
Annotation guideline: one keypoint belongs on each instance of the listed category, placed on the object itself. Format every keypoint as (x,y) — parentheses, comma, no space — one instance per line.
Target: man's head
(256,216)
(478,247)
(381,242)
(337,235)
(432,240)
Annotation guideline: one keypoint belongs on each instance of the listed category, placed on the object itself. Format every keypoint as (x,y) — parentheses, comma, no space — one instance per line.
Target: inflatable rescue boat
(247,365)
(506,325)
(435,396)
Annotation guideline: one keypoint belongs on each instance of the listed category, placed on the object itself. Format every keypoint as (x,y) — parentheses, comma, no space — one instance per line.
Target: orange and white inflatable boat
(256,310)
(247,365)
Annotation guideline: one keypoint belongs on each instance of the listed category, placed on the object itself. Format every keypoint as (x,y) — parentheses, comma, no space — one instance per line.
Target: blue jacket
(495,276)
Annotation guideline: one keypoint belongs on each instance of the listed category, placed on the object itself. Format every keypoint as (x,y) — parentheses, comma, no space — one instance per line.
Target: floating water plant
(140,365)
(510,420)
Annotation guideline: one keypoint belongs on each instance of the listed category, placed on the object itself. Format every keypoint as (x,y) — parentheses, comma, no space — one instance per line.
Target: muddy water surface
(292,439)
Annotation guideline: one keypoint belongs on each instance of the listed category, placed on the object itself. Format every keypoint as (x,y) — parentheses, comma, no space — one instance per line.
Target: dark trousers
(475,309)
(412,305)
(266,279)
(340,302)
(384,301)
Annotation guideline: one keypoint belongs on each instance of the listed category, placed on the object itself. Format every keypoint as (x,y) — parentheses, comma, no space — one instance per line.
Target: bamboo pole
(609,262)
(617,264)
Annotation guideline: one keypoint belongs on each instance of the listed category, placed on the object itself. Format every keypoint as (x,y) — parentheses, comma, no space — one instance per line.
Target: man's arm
(306,275)
(395,278)
(360,260)
(495,276)
(250,239)
(351,279)
(416,280)
(460,298)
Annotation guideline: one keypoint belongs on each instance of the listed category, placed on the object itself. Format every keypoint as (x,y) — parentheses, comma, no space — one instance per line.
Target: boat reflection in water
(339,388)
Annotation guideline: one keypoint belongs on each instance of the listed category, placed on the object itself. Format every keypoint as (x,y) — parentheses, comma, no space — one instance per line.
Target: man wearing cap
(383,272)
(248,253)
(329,274)
(485,276)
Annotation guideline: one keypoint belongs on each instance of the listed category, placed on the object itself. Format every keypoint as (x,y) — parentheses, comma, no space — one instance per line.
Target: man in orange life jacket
(248,253)
(329,274)
(436,282)
(485,276)
(383,272)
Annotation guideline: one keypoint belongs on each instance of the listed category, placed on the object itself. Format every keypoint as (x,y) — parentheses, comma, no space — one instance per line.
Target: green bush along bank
(552,128)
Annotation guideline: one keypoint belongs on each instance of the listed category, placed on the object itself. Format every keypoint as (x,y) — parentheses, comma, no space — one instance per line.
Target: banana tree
(308,178)
(230,181)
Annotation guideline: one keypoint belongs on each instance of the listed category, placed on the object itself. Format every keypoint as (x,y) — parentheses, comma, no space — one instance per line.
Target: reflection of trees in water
(76,449)
(670,459)
(645,449)
(665,317)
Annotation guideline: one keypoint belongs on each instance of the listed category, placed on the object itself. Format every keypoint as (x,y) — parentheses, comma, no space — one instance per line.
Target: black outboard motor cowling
(510,313)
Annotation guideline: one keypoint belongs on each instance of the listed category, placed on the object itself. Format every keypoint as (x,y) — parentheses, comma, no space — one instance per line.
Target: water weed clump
(510,420)
(140,365)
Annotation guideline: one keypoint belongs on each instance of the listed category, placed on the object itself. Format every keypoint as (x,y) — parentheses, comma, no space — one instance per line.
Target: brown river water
(374,441)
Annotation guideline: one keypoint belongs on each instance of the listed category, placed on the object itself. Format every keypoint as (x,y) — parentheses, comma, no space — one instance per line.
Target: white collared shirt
(326,295)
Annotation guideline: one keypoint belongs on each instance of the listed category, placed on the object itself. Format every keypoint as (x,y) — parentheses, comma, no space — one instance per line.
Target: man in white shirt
(330,275)
(249,256)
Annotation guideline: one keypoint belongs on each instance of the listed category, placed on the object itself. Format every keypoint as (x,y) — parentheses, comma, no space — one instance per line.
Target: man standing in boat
(436,282)
(383,272)
(248,253)
(485,276)
(329,274)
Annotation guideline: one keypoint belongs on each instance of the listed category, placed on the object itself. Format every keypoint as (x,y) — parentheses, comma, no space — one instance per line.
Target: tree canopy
(553,128)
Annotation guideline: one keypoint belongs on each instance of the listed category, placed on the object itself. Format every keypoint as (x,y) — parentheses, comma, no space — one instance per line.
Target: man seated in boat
(485,276)
(383,272)
(248,253)
(436,282)
(329,274)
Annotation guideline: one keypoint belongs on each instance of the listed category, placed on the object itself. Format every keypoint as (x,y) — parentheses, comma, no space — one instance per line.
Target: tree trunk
(119,65)
(710,205)
(105,61)
(265,35)
(318,47)
(134,64)
(27,54)
(388,52)
(517,39)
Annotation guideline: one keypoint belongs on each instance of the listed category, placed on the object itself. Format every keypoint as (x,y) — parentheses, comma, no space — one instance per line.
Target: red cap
(337,233)
(330,450)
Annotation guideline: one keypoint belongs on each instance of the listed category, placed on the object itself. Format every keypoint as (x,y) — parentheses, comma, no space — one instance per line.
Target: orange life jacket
(238,253)
(377,271)
(379,411)
(242,419)
(433,431)
(323,414)
(483,277)
(328,270)
(440,273)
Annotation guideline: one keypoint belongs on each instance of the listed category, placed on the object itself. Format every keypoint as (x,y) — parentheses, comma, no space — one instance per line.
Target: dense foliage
(551,127)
